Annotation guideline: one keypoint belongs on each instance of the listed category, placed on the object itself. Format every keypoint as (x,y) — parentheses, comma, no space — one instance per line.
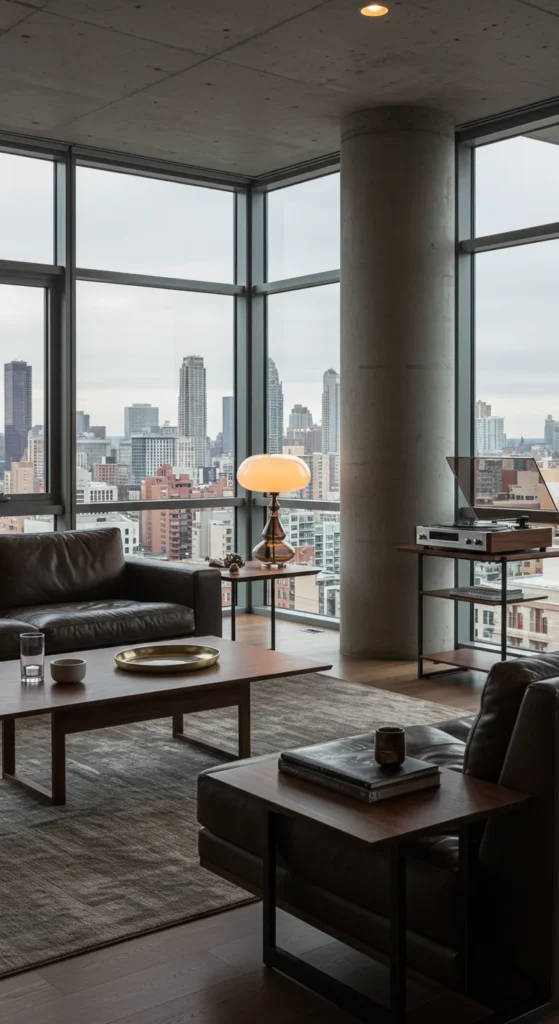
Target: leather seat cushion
(348,868)
(10,630)
(86,624)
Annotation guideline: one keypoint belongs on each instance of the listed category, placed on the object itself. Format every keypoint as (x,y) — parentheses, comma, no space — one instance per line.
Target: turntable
(485,537)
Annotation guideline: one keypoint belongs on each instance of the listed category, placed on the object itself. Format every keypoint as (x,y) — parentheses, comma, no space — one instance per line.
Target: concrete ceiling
(250,86)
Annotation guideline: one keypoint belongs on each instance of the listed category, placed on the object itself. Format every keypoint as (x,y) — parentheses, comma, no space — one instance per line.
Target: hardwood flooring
(209,971)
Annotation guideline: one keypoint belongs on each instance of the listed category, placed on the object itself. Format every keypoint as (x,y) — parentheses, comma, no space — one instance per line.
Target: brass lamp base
(272,550)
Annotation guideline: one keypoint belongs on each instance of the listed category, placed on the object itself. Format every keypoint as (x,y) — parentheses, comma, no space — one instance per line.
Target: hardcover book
(352,760)
(354,790)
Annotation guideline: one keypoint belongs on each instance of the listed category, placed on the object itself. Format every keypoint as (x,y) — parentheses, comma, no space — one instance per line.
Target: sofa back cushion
(51,568)
(502,696)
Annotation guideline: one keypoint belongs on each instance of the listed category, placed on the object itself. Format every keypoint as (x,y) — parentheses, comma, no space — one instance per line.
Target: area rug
(120,859)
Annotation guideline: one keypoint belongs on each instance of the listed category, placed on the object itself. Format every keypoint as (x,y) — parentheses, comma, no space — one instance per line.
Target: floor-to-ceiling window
(303,377)
(509,258)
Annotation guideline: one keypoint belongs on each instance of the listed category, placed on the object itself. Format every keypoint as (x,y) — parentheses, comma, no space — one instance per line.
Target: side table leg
(58,740)
(398,935)
(269,890)
(273,612)
(8,746)
(420,672)
(504,609)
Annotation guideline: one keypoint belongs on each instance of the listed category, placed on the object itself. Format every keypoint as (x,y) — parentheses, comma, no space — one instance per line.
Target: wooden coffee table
(109,696)
(459,804)
(253,572)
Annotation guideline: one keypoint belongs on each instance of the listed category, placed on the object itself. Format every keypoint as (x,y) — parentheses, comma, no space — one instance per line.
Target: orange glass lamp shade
(273,474)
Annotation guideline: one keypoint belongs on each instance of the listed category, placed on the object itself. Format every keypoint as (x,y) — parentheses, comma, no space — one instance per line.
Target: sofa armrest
(179,583)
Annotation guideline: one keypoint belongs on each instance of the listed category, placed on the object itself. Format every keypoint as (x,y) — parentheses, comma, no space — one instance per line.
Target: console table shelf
(445,593)
(469,657)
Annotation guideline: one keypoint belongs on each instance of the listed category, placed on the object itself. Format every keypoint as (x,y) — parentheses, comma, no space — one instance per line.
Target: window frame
(468,245)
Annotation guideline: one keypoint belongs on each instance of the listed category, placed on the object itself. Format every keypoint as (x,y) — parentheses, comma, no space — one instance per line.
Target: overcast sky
(131,341)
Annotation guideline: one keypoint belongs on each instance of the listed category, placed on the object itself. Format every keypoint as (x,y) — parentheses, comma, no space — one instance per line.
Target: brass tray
(161,659)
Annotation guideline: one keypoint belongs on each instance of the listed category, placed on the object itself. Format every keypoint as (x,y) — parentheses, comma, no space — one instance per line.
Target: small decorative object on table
(32,658)
(161,659)
(68,670)
(390,746)
(348,766)
(233,562)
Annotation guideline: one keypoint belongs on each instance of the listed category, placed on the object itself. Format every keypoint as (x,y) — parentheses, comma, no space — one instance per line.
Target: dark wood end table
(253,571)
(458,804)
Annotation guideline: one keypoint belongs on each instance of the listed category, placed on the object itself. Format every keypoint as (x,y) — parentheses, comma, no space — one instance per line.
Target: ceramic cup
(68,670)
(390,746)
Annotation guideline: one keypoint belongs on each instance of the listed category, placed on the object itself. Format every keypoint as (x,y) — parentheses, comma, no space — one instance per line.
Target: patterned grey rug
(121,858)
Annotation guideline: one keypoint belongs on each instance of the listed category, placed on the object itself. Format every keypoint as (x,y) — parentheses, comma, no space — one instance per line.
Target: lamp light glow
(273,474)
(374,11)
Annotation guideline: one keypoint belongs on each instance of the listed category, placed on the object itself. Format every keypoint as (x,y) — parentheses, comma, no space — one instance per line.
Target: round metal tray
(163,659)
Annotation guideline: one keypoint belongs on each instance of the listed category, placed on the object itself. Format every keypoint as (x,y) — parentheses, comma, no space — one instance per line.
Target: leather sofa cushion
(86,624)
(10,630)
(502,696)
(345,867)
(50,568)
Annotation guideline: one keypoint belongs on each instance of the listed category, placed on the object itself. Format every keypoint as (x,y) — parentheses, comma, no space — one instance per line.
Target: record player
(477,535)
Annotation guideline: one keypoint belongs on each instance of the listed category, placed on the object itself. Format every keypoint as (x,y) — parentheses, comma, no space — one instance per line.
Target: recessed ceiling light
(374,10)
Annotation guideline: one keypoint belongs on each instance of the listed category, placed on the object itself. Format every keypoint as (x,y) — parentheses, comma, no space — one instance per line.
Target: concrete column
(397,372)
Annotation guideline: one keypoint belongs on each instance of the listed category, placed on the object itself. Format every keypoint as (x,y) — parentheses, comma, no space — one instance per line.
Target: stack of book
(348,766)
(487,593)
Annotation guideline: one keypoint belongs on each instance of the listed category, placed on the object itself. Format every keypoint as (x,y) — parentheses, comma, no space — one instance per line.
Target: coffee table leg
(244,724)
(178,724)
(8,746)
(58,739)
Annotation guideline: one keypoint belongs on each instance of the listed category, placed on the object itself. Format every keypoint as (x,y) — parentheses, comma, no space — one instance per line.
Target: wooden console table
(469,657)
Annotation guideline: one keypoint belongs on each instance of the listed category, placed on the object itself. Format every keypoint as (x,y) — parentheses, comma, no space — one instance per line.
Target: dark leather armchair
(342,888)
(79,590)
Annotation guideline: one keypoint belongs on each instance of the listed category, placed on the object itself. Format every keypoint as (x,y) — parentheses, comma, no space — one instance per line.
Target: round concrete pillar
(397,372)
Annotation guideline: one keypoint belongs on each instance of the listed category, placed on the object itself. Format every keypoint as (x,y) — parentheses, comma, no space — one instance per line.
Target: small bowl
(68,670)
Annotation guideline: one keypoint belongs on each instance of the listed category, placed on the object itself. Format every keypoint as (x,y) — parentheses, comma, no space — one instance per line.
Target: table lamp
(273,474)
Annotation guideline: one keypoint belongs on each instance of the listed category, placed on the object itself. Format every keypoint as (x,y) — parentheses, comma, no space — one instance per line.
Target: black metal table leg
(420,617)
(504,611)
(467,860)
(398,935)
(233,606)
(273,612)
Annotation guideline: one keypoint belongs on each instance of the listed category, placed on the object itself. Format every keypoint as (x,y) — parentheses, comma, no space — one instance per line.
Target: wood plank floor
(209,971)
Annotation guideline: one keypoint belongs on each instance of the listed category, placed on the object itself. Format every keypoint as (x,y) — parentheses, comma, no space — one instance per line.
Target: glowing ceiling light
(374,11)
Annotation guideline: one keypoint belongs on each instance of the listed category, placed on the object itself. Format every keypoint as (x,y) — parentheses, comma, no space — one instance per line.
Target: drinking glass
(32,657)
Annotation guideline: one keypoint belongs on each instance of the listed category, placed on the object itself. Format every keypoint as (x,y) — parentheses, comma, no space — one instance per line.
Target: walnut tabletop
(459,800)
(105,683)
(256,571)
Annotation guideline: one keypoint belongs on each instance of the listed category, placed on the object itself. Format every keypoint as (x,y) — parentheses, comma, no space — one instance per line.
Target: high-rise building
(167,531)
(275,410)
(140,417)
(490,433)
(36,455)
(18,377)
(193,406)
(149,453)
(483,410)
(82,422)
(549,429)
(299,418)
(331,412)
(20,479)
(228,425)
(106,472)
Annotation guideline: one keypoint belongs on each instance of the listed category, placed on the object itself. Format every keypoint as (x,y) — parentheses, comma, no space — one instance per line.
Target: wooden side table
(468,657)
(253,571)
(459,803)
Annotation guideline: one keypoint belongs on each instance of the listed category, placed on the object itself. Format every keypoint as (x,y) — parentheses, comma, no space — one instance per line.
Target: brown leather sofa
(340,887)
(79,590)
